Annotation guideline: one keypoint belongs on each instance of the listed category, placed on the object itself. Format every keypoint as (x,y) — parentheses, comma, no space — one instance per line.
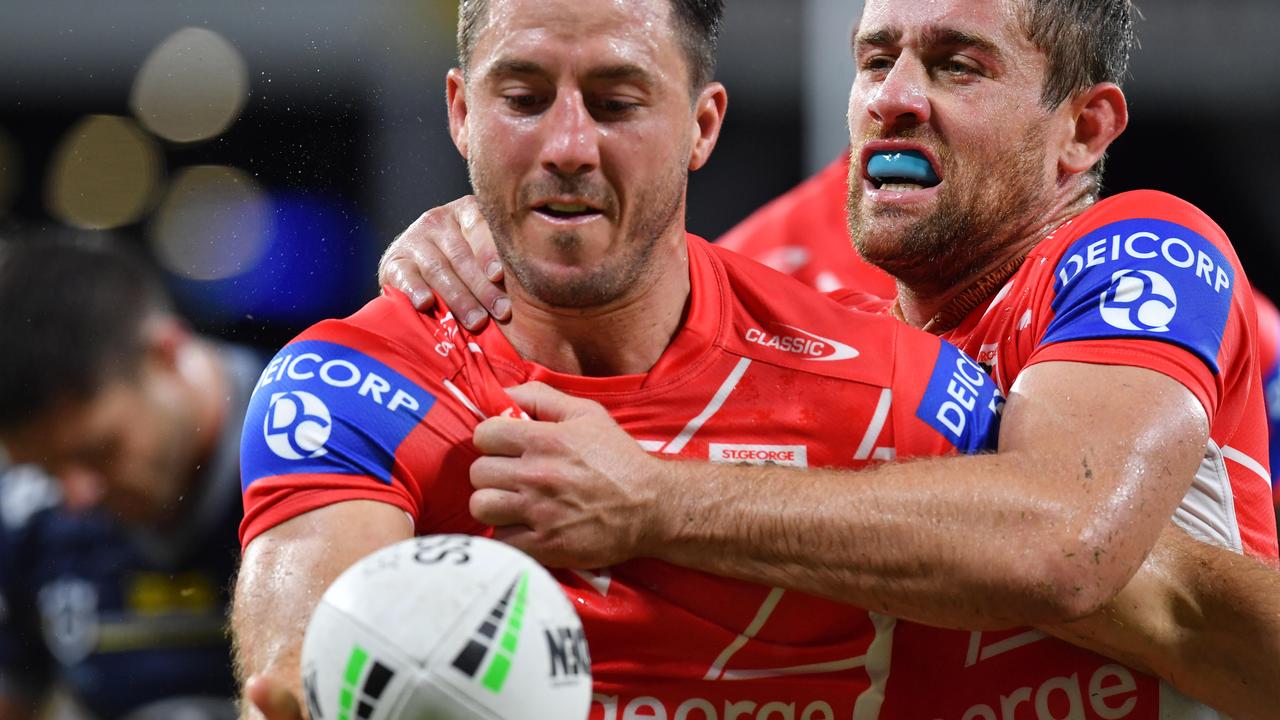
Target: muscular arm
(286,570)
(1201,617)
(1093,461)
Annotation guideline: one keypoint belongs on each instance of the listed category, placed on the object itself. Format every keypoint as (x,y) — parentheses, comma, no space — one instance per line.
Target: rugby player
(579,123)
(1123,330)
(805,234)
(114,573)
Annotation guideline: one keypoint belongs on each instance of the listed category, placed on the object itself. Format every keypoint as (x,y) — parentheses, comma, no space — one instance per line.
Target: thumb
(546,403)
(272,699)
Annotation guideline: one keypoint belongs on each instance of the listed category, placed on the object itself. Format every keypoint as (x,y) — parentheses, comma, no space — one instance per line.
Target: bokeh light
(213,223)
(104,173)
(10,171)
(316,264)
(191,87)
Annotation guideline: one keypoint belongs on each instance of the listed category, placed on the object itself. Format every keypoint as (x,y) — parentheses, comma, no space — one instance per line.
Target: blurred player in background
(1123,329)
(114,575)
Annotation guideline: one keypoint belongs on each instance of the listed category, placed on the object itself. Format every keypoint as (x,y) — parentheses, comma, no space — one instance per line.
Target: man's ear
(1098,116)
(166,340)
(455,88)
(708,115)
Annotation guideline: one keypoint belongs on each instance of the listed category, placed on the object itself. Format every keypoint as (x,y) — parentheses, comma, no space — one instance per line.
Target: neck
(940,305)
(623,337)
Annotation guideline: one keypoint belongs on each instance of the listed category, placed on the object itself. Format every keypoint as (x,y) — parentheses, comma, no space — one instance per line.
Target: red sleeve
(346,412)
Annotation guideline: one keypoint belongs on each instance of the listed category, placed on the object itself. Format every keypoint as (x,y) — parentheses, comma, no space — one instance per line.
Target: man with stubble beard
(1121,330)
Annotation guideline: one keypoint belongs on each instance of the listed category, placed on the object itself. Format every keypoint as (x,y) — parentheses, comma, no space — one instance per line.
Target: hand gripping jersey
(1141,279)
(382,406)
(805,234)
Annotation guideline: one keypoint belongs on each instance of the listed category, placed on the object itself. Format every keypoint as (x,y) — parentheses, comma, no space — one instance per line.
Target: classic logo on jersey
(320,407)
(797,341)
(1144,278)
(297,425)
(961,401)
(788,455)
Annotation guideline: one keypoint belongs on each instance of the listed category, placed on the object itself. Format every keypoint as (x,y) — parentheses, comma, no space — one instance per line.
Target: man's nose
(572,144)
(82,488)
(901,100)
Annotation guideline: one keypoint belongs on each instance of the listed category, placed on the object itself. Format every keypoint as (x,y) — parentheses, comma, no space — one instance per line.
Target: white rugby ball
(446,627)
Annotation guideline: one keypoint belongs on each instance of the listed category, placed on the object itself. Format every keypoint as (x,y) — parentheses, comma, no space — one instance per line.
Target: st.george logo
(297,425)
(1139,300)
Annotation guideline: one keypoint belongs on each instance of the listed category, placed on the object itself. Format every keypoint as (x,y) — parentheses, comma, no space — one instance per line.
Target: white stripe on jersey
(1240,457)
(876,426)
(717,400)
(716,671)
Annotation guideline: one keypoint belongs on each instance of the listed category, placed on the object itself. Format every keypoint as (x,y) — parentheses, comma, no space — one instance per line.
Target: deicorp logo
(1146,279)
(1139,300)
(326,408)
(297,425)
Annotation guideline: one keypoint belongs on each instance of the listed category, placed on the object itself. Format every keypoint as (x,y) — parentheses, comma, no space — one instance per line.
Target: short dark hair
(71,315)
(1086,41)
(697,21)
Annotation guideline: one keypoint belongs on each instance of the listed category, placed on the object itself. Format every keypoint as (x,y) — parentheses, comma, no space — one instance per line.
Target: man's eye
(616,107)
(957,67)
(523,103)
(877,62)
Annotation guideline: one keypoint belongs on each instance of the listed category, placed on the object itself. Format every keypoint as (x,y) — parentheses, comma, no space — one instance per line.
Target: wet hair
(697,21)
(71,315)
(1086,42)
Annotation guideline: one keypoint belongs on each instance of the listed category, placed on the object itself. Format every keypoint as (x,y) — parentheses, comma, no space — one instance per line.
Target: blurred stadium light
(104,174)
(213,223)
(315,258)
(191,87)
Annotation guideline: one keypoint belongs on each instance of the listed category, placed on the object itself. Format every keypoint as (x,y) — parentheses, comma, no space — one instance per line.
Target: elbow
(1076,578)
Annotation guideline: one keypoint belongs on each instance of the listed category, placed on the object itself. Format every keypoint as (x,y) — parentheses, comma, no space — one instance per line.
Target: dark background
(342,132)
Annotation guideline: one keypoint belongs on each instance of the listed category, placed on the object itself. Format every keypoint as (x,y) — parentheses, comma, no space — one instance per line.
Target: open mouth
(901,171)
(566,210)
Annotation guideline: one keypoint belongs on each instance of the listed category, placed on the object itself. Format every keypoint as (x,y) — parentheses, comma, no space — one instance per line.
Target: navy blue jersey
(123,617)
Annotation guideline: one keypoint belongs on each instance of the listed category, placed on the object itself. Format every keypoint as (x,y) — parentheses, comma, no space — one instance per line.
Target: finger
(272,699)
(498,507)
(520,537)
(479,265)
(437,271)
(478,235)
(506,437)
(402,274)
(546,403)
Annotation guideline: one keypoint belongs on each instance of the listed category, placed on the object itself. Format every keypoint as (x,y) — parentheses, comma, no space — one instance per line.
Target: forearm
(1202,618)
(284,573)
(1045,531)
(957,542)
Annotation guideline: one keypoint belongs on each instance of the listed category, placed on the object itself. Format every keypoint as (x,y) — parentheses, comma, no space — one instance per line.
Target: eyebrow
(933,36)
(620,71)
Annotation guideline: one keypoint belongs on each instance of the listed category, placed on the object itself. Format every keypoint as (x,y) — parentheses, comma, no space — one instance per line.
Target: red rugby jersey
(805,234)
(1141,279)
(382,406)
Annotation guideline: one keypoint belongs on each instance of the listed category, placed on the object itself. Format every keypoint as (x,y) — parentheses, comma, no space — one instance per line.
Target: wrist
(667,511)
